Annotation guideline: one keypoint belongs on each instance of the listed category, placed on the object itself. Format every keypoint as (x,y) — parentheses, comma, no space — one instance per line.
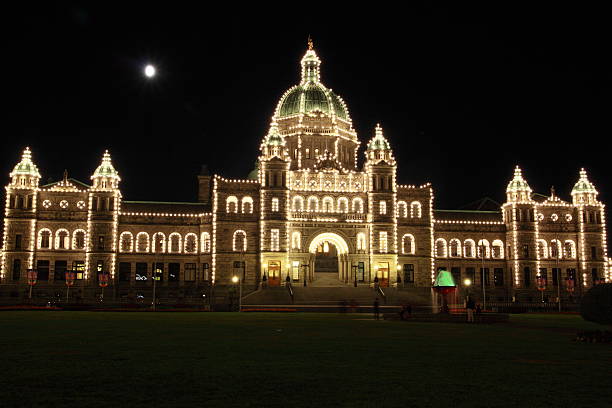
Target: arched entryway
(329,254)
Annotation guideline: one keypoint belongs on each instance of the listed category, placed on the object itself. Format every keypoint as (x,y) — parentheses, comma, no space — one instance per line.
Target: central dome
(311,95)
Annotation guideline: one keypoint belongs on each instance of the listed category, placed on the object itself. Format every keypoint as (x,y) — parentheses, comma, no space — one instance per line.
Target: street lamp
(70,277)
(103,282)
(32,278)
(467,282)
(236,279)
(306,267)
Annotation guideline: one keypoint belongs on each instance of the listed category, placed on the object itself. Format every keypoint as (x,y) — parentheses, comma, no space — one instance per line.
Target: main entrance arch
(324,249)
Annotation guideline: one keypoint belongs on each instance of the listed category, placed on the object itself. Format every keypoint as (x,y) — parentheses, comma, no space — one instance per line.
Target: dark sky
(463,95)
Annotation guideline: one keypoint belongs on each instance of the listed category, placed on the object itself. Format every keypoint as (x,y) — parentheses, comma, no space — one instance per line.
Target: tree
(596,305)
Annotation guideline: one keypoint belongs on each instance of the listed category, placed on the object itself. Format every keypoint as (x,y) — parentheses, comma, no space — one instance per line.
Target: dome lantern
(379,148)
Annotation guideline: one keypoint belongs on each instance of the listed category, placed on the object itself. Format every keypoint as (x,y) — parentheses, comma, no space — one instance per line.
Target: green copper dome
(311,95)
(311,98)
(379,142)
(583,185)
(518,183)
(25,167)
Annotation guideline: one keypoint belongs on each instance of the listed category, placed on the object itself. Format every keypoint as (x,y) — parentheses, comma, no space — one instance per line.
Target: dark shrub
(596,305)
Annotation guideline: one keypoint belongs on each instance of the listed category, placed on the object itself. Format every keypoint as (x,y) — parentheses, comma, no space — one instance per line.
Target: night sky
(463,95)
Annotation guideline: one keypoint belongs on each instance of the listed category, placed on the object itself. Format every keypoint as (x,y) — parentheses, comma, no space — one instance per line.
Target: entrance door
(274,269)
(383,274)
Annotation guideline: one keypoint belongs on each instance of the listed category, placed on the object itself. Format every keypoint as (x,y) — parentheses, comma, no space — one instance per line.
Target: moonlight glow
(149,71)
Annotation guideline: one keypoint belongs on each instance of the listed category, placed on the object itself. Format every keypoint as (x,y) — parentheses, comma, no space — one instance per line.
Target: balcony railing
(330,216)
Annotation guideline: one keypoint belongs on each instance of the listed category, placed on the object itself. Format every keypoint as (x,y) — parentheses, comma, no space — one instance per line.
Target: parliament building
(309,212)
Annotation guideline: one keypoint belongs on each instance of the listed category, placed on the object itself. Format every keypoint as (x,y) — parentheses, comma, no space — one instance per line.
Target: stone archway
(335,244)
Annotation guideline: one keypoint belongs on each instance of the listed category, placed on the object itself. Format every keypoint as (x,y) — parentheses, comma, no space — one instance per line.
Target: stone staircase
(335,296)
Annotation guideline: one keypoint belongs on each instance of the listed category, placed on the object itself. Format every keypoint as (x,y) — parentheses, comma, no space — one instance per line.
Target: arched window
(441,248)
(569,249)
(361,241)
(126,242)
(274,204)
(358,205)
(298,203)
(174,243)
(497,249)
(159,242)
(542,248)
(142,242)
(402,209)
(555,249)
(239,241)
(343,205)
(191,243)
(313,204)
(382,207)
(469,247)
(328,204)
(205,242)
(483,245)
(455,248)
(78,239)
(296,240)
(415,209)
(231,204)
(44,238)
(247,205)
(408,245)
(62,239)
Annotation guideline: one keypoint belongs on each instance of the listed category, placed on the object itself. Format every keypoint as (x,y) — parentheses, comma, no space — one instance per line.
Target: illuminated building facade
(308,196)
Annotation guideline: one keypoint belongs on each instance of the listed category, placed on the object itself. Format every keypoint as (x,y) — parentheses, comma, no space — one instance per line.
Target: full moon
(149,71)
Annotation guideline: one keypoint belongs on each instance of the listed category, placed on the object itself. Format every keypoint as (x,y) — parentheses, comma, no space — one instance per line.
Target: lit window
(275,205)
(382,241)
(382,207)
(274,240)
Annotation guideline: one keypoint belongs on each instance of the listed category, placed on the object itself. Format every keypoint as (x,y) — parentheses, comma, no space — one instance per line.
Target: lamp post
(236,279)
(306,268)
(398,277)
(482,276)
(467,282)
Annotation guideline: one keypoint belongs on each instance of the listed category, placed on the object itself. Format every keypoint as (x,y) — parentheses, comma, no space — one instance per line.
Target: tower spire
(310,43)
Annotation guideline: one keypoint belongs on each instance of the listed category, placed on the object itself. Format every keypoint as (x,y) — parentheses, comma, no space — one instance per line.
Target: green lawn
(99,359)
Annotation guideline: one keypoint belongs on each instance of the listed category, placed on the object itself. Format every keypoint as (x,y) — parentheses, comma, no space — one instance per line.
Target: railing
(379,290)
(290,290)
(339,216)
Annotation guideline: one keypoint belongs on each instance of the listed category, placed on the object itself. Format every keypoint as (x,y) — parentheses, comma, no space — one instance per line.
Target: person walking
(470,305)
(376,309)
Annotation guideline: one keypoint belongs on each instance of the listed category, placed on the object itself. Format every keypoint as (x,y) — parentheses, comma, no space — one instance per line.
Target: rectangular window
(18,241)
(361,271)
(174,272)
(190,272)
(527,276)
(594,275)
(274,240)
(240,268)
(556,273)
(78,267)
(526,251)
(456,272)
(16,269)
(571,274)
(275,205)
(484,276)
(471,275)
(308,153)
(42,268)
(158,271)
(498,277)
(544,274)
(593,252)
(383,207)
(125,271)
(141,272)
(408,273)
(382,242)
(101,243)
(59,270)
(295,270)
(205,269)
(99,269)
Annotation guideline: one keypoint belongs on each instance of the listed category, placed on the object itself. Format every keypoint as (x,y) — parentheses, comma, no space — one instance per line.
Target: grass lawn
(106,359)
